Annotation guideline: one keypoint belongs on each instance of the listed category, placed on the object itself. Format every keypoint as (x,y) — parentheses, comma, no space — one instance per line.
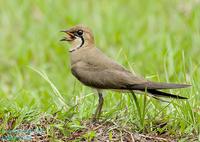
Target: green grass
(156,39)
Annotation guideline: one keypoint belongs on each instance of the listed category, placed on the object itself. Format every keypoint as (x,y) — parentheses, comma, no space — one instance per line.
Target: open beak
(69,36)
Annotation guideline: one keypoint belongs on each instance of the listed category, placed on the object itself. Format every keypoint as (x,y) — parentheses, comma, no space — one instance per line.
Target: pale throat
(77,43)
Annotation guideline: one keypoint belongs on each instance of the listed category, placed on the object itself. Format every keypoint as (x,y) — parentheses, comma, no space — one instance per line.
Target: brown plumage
(94,69)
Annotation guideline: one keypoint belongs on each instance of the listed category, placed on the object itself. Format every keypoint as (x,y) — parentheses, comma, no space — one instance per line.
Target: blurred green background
(156,39)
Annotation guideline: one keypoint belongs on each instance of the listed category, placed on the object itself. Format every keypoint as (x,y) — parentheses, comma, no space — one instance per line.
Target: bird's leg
(100,104)
(99,108)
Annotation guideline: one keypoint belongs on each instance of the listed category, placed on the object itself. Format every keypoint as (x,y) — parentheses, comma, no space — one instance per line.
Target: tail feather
(157,93)
(157,85)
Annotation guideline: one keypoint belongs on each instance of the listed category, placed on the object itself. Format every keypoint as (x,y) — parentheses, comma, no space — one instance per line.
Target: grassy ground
(156,39)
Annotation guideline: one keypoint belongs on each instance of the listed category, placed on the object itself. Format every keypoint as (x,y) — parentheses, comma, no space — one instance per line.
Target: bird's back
(95,69)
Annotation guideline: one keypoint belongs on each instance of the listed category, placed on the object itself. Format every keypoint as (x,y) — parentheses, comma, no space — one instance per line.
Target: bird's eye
(80,32)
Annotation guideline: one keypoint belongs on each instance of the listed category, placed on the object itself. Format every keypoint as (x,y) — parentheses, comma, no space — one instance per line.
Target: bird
(96,70)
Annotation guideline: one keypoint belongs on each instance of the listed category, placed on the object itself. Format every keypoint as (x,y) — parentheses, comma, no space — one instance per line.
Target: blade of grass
(58,95)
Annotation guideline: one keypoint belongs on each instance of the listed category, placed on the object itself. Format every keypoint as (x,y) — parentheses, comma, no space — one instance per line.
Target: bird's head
(79,36)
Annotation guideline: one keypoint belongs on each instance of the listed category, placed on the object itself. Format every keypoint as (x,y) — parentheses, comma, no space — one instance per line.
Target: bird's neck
(80,54)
